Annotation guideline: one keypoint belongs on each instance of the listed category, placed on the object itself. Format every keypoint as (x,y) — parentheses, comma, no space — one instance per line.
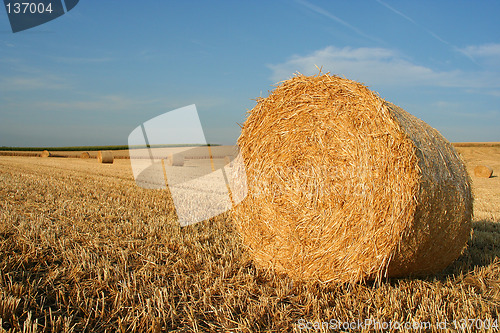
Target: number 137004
(28,8)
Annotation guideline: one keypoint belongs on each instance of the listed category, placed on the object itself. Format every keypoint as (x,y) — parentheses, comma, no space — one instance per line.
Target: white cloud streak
(82,60)
(25,83)
(396,11)
(335,18)
(430,32)
(491,50)
(106,103)
(382,67)
(112,103)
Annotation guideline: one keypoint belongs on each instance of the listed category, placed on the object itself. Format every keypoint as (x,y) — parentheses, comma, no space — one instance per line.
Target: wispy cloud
(430,32)
(25,83)
(382,67)
(463,110)
(335,18)
(91,103)
(82,60)
(488,52)
(485,50)
(18,76)
(105,103)
(396,11)
(406,17)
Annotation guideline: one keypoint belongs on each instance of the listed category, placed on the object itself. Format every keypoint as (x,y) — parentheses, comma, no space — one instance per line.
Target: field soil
(83,248)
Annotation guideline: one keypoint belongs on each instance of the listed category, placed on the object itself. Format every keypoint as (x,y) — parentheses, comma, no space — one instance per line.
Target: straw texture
(344,186)
(483,171)
(105,156)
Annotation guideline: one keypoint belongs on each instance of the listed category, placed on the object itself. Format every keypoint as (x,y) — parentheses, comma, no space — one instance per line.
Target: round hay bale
(175,160)
(105,156)
(344,186)
(483,171)
(45,153)
(85,154)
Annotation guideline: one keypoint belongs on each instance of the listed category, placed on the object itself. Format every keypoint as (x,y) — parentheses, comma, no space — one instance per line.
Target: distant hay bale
(47,153)
(344,186)
(105,156)
(483,171)
(175,160)
(85,154)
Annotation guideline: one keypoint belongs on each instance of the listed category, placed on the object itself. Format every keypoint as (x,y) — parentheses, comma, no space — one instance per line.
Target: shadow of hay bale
(482,250)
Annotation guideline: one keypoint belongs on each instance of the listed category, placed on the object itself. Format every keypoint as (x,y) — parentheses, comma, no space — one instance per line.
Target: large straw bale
(85,155)
(105,156)
(344,186)
(45,153)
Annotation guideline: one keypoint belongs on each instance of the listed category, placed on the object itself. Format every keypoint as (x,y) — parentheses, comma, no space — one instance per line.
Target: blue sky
(91,76)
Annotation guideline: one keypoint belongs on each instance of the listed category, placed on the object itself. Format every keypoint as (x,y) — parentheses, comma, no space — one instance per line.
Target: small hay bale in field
(344,186)
(175,160)
(105,156)
(483,171)
(85,154)
(45,153)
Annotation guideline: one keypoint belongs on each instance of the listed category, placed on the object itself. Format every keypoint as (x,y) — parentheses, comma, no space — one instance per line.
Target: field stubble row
(83,248)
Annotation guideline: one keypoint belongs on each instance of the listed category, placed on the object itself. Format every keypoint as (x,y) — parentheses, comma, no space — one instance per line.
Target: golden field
(82,248)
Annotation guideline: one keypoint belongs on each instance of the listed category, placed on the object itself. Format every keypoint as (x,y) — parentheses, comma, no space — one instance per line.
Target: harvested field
(82,248)
(188,152)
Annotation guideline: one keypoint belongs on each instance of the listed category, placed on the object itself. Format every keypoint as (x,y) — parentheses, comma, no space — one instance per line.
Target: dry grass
(79,256)
(476,144)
